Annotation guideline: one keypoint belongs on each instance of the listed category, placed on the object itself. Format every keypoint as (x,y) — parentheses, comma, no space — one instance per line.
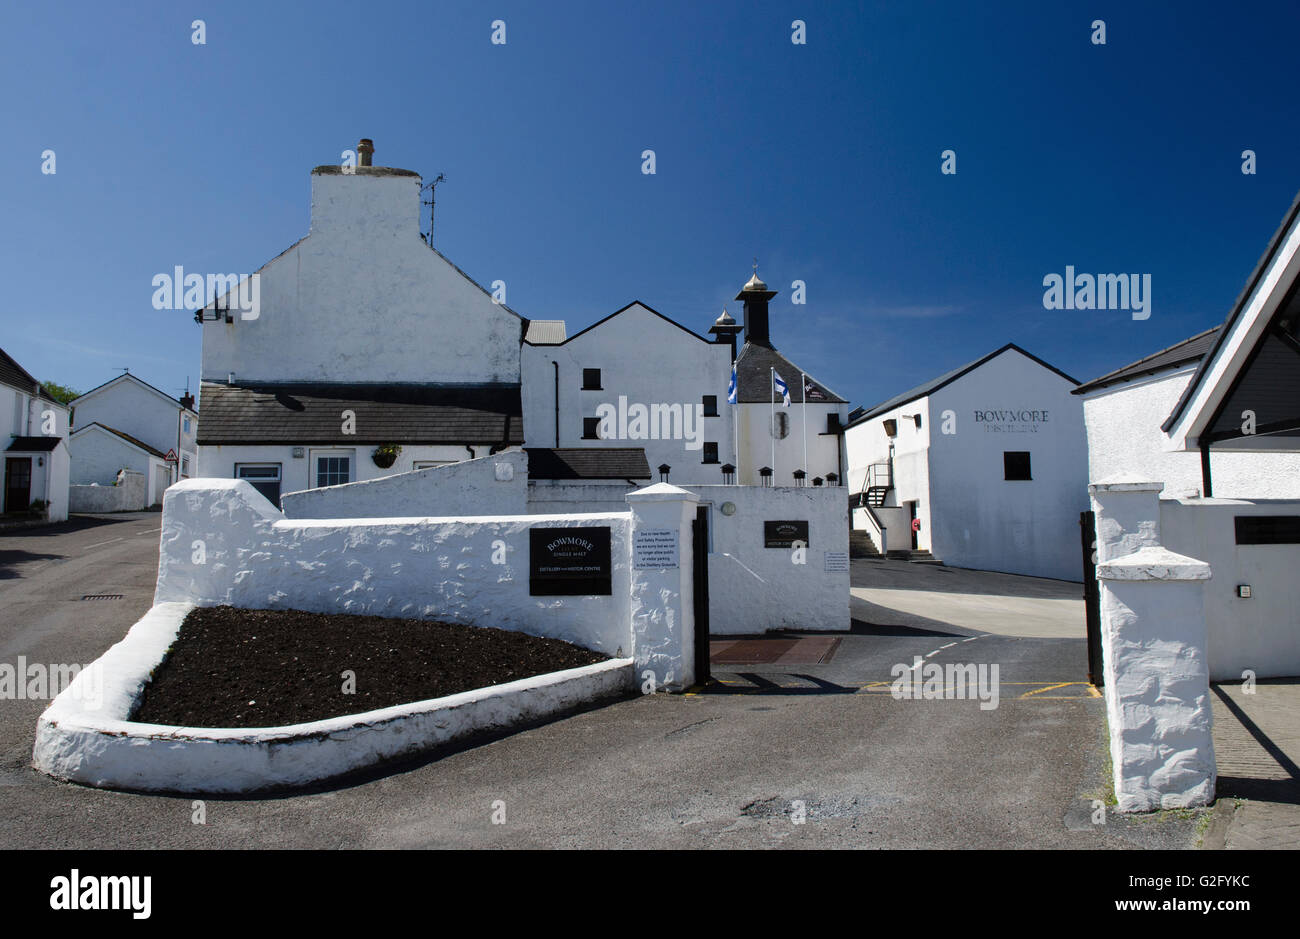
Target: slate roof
(1181,353)
(308,413)
(754,381)
(947,378)
(33,444)
(587,463)
(134,441)
(14,375)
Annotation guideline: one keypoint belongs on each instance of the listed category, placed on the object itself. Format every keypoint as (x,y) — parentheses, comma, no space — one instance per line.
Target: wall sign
(569,562)
(654,548)
(784,534)
(1011,420)
(835,562)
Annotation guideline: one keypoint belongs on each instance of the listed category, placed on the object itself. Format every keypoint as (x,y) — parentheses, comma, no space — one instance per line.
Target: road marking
(1064,684)
(102,543)
(152,531)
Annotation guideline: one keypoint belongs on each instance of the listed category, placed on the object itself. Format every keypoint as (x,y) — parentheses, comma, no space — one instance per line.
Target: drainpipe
(470,448)
(557,403)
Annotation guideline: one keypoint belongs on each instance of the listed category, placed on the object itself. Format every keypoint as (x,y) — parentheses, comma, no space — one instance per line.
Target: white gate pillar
(663,598)
(1157,681)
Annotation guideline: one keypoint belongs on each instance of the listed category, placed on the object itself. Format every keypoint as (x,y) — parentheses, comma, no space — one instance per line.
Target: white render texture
(1154,643)
(99,746)
(1123,423)
(420,568)
(662,611)
(491,485)
(362,298)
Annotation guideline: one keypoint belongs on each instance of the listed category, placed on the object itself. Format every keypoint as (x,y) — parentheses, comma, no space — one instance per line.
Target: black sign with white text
(569,562)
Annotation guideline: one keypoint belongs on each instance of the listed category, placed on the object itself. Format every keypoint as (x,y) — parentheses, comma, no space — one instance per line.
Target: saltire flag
(731,388)
(782,390)
(811,392)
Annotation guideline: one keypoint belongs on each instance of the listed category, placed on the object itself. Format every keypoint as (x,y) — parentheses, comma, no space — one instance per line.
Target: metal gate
(1091,595)
(700,571)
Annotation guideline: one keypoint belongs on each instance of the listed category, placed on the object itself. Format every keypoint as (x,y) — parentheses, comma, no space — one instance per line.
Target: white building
(127,423)
(804,437)
(1125,408)
(364,340)
(984,467)
(635,379)
(34,428)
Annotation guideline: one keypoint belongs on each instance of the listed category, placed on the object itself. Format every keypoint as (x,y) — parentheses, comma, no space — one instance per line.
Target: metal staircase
(876,485)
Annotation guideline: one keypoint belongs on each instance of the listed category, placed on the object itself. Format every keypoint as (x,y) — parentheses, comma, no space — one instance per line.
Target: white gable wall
(363,299)
(141,412)
(647,360)
(867,443)
(982,520)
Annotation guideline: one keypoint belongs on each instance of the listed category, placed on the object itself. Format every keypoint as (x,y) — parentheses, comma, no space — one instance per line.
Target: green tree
(60,393)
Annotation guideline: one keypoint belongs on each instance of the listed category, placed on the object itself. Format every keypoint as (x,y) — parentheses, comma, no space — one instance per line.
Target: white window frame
(262,464)
(314,467)
(429,464)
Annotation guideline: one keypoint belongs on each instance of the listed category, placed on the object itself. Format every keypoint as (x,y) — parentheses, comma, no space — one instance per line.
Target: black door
(911,523)
(1091,595)
(700,540)
(18,483)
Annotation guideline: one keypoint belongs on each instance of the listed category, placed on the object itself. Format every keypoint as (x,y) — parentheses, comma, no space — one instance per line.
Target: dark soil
(264,668)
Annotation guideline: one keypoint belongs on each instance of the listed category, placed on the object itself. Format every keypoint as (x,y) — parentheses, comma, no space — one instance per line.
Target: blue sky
(823,160)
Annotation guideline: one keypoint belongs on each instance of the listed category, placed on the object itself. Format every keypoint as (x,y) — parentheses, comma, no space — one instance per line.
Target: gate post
(1154,636)
(663,618)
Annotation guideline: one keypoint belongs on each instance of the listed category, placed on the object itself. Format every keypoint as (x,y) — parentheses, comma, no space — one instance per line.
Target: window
(591,428)
(1015,464)
(187,425)
(917,418)
(591,379)
(710,452)
(780,425)
(185,467)
(426,464)
(264,477)
(333,469)
(710,405)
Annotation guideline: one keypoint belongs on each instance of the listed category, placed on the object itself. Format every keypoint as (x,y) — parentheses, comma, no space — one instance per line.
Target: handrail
(879,527)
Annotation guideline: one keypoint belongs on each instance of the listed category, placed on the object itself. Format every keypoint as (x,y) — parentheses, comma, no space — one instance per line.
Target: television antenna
(431,187)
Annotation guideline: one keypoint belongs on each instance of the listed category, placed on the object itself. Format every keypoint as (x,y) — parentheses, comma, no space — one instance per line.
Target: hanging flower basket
(385,455)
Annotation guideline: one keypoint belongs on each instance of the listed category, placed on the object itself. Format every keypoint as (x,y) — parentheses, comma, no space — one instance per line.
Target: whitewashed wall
(646,359)
(97,456)
(867,443)
(1262,633)
(1124,436)
(432,568)
(753,589)
(756,441)
(363,299)
(981,520)
(494,485)
(128,495)
(218,462)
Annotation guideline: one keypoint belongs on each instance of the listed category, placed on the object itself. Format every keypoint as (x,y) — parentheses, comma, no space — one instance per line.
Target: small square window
(710,405)
(1015,464)
(591,379)
(710,452)
(591,428)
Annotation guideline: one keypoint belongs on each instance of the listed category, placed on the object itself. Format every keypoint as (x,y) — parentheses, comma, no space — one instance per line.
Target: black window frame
(710,403)
(591,428)
(707,452)
(587,379)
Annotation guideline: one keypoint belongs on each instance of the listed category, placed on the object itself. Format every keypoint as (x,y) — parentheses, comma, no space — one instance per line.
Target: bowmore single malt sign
(569,562)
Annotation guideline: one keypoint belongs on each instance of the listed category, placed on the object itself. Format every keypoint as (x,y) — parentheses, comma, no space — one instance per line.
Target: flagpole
(803,393)
(771,372)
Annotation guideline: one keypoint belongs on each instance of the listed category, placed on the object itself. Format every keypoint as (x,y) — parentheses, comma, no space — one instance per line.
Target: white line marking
(948,646)
(152,531)
(102,543)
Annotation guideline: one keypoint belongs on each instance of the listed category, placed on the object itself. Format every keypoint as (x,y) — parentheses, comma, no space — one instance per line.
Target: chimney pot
(365,150)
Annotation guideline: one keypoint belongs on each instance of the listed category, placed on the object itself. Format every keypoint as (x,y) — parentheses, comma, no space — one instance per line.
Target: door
(911,523)
(700,541)
(18,483)
(1091,595)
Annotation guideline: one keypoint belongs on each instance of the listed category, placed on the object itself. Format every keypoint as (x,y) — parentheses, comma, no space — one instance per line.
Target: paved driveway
(734,767)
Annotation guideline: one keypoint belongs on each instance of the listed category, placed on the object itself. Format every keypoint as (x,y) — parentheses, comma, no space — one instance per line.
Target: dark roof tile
(587,463)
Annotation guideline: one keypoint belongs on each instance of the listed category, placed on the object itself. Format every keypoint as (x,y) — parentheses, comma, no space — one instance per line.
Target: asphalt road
(726,768)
